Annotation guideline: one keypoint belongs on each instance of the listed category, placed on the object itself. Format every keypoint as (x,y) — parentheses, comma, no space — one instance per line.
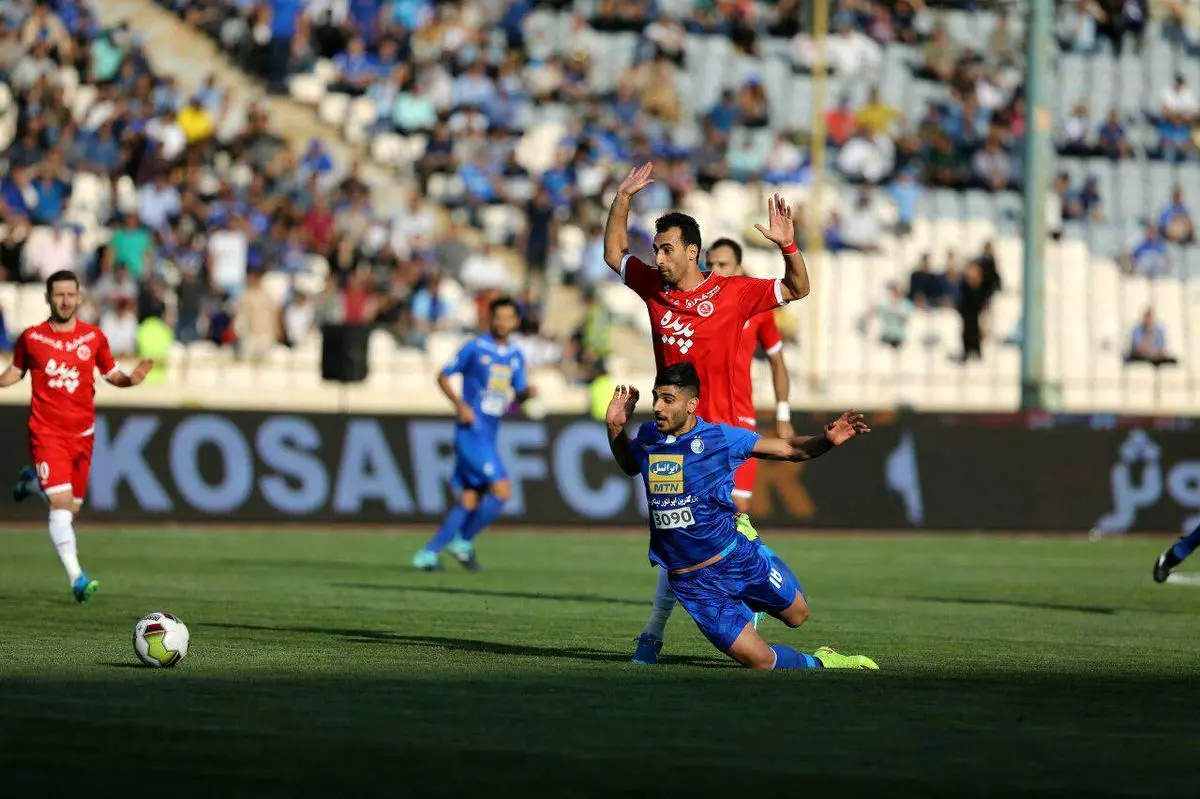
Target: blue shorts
(723,598)
(476,464)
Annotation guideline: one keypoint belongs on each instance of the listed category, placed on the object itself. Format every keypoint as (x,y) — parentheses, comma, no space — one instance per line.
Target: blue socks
(1188,544)
(451,526)
(788,658)
(489,508)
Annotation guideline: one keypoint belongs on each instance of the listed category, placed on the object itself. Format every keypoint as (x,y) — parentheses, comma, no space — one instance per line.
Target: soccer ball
(160,640)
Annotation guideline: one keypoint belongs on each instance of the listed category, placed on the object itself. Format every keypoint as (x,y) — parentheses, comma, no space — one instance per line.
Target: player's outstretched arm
(805,448)
(620,408)
(783,386)
(121,380)
(616,230)
(10,377)
(781,231)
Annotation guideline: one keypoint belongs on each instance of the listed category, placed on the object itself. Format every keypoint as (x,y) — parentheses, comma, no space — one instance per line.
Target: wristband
(783,413)
(789,248)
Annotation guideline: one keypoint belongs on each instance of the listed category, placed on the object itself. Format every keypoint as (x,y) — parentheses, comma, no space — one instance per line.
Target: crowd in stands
(222,207)
(185,210)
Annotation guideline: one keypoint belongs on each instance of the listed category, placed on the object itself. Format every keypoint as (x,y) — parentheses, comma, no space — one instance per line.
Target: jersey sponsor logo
(697,446)
(691,303)
(705,309)
(676,519)
(677,333)
(62,376)
(665,474)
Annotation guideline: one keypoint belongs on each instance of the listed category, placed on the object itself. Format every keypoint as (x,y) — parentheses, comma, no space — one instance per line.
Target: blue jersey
(491,372)
(688,482)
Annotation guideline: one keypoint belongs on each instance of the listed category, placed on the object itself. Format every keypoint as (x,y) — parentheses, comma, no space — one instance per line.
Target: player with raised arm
(63,354)
(721,577)
(493,371)
(699,317)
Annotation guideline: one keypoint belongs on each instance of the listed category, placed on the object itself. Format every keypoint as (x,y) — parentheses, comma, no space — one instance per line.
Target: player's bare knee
(502,490)
(469,500)
(796,615)
(61,501)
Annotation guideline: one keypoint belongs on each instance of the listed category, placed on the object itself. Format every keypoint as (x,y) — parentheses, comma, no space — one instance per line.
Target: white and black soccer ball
(160,640)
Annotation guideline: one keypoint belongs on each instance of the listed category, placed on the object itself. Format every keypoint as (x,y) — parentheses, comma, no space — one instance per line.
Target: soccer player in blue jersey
(493,372)
(720,576)
(1176,554)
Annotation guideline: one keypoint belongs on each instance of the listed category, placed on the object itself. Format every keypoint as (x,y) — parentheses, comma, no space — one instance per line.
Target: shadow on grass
(492,592)
(1100,610)
(112,664)
(470,645)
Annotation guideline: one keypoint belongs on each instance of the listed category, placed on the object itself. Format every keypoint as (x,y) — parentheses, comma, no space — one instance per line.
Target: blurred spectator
(131,246)
(154,341)
(1175,222)
(972,303)
(1085,204)
(861,230)
(1076,138)
(939,56)
(190,295)
(256,322)
(893,315)
(1146,255)
(946,165)
(840,122)
(52,251)
(299,319)
(1112,140)
(159,202)
(905,193)
(925,289)
(6,340)
(992,167)
(877,117)
(120,325)
(1076,25)
(12,251)
(594,337)
(228,257)
(431,311)
(1148,342)
(848,52)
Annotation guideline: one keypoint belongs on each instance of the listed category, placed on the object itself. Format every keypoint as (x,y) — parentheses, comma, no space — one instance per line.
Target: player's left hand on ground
(846,427)
(620,408)
(782,227)
(139,373)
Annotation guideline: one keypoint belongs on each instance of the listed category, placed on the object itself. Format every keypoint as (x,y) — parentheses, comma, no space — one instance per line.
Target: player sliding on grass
(720,576)
(493,370)
(63,354)
(699,317)
(1176,554)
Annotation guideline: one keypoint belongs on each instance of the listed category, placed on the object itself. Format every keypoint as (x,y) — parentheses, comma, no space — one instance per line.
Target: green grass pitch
(320,662)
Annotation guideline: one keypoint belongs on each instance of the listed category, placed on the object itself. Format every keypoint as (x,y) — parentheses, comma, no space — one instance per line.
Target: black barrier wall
(941,472)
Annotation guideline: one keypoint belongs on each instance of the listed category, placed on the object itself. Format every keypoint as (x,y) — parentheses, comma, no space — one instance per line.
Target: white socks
(664,603)
(62,533)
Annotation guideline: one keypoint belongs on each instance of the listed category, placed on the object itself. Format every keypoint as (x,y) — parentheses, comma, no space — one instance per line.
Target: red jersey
(703,326)
(64,377)
(760,331)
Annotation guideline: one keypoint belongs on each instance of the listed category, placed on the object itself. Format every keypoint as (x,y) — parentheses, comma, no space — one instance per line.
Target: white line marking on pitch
(1184,579)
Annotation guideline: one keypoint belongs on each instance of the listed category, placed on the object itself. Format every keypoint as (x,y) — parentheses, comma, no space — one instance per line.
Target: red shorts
(62,464)
(743,478)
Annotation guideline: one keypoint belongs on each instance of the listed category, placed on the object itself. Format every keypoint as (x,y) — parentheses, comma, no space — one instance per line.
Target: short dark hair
(731,244)
(680,375)
(504,302)
(689,228)
(59,277)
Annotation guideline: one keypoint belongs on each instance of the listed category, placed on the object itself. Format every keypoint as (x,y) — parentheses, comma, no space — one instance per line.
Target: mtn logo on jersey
(665,474)
(676,333)
(62,376)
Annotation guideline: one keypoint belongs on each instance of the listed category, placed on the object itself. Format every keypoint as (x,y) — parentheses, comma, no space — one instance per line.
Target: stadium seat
(307,89)
(333,109)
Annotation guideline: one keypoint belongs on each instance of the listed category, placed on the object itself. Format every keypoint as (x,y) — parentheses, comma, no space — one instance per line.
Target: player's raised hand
(846,427)
(620,408)
(140,371)
(781,229)
(639,178)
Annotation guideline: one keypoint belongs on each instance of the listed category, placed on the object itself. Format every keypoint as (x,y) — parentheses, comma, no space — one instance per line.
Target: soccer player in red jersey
(63,354)
(725,258)
(698,317)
